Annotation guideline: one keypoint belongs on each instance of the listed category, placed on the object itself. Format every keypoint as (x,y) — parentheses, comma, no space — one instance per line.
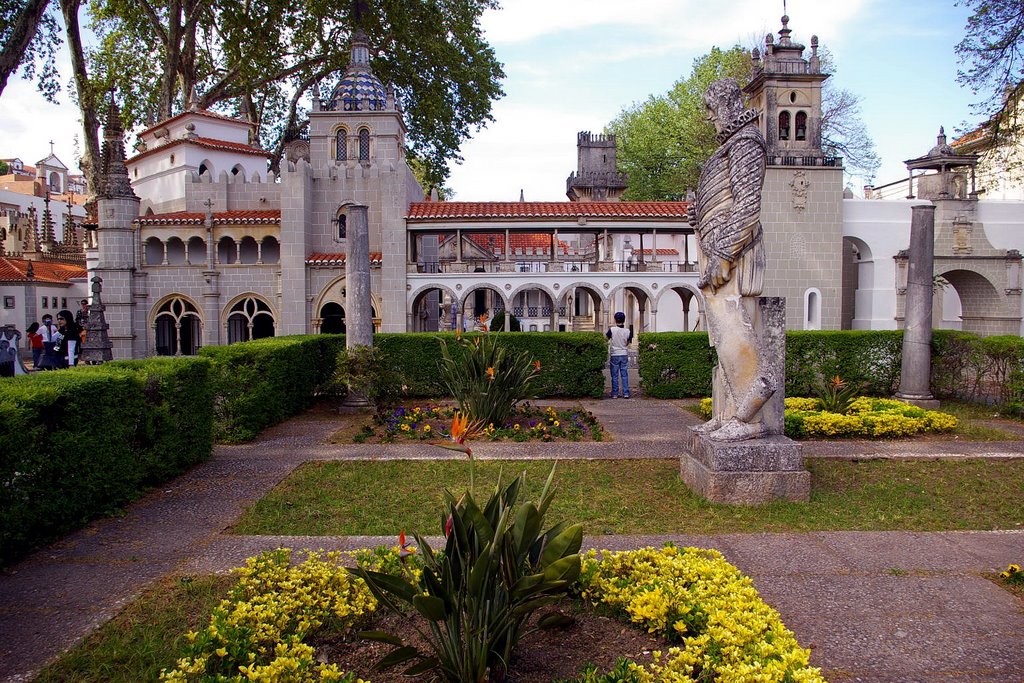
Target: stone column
(915,372)
(359,323)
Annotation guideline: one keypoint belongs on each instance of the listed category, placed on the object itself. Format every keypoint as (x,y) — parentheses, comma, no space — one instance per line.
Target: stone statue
(731,261)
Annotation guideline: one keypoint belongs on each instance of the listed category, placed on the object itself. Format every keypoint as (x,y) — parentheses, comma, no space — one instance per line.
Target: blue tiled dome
(358,89)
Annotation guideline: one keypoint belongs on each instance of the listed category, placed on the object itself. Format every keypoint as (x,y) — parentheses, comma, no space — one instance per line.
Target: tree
(663,141)
(992,51)
(29,37)
(4,168)
(260,59)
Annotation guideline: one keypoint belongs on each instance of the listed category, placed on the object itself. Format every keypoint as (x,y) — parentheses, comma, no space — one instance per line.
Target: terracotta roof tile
(319,258)
(975,134)
(219,217)
(426,211)
(207,143)
(16,270)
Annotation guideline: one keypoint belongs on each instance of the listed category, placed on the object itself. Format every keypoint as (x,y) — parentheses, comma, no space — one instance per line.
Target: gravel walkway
(873,606)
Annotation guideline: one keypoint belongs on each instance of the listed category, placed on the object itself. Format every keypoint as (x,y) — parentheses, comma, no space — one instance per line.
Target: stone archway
(432,308)
(536,307)
(680,308)
(584,306)
(633,299)
(481,299)
(858,284)
(982,310)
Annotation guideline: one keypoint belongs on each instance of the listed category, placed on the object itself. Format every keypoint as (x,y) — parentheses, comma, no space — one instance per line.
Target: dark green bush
(675,364)
(572,363)
(80,443)
(498,323)
(987,369)
(869,359)
(262,382)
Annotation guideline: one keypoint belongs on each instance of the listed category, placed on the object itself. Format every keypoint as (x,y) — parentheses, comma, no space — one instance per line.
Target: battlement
(595,139)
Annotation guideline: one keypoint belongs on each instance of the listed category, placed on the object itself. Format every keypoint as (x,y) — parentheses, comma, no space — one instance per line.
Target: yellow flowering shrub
(693,596)
(797,403)
(256,633)
(832,424)
(705,408)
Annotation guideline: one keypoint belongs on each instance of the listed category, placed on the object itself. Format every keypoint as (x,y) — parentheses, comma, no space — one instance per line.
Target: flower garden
(528,423)
(712,622)
(863,417)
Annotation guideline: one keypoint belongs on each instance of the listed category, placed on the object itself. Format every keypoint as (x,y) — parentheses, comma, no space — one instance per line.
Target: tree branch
(21,36)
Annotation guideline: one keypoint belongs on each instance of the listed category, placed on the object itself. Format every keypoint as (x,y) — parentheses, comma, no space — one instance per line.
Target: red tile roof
(16,270)
(661,252)
(336,259)
(516,240)
(975,134)
(207,143)
(200,112)
(219,218)
(426,211)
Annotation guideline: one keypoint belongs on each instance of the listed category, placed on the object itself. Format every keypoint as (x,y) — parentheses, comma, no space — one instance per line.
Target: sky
(573,65)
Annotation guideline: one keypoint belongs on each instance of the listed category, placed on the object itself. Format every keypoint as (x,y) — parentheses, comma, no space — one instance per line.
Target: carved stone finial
(114,180)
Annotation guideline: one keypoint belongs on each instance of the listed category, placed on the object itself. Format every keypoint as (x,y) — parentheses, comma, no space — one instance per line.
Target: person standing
(35,342)
(82,318)
(619,338)
(70,339)
(51,336)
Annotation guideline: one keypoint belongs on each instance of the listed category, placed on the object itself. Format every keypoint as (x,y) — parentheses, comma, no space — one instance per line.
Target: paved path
(873,606)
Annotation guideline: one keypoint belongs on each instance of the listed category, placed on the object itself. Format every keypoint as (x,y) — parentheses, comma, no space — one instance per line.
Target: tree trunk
(24,30)
(172,52)
(87,101)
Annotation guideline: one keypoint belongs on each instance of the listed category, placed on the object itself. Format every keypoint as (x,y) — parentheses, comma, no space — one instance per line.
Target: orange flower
(490,374)
(837,382)
(483,318)
(536,366)
(405,550)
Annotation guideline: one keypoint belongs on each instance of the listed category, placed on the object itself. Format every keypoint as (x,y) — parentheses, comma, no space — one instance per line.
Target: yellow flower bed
(694,596)
(865,417)
(256,633)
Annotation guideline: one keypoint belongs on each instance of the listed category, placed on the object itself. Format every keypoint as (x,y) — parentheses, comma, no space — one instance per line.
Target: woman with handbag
(67,348)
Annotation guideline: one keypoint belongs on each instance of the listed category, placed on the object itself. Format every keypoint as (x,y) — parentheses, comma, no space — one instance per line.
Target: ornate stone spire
(114,174)
(31,232)
(49,237)
(97,347)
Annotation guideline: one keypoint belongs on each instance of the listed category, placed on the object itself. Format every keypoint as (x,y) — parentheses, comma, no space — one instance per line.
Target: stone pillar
(916,369)
(359,322)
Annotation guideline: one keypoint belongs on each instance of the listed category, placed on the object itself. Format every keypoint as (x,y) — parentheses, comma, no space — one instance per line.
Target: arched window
(175,252)
(270,250)
(227,250)
(154,251)
(248,250)
(196,251)
(784,125)
(332,318)
(801,125)
(812,309)
(341,145)
(206,167)
(250,318)
(178,328)
(238,169)
(364,144)
(54,182)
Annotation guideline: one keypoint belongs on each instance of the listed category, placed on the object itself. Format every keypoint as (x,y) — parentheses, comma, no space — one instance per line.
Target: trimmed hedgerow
(260,383)
(572,363)
(675,364)
(679,364)
(80,443)
(977,368)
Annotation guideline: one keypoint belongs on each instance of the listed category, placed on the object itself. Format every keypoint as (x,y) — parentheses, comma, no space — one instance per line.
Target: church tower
(801,208)
(786,89)
(118,207)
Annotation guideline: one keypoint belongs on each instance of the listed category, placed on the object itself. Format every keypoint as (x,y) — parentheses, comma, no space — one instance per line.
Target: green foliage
(498,322)
(79,443)
(624,671)
(572,363)
(485,378)
(663,141)
(977,368)
(262,382)
(675,364)
(835,395)
(497,568)
(4,168)
(365,370)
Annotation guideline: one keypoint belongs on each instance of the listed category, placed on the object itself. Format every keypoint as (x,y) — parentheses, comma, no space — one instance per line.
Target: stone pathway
(873,606)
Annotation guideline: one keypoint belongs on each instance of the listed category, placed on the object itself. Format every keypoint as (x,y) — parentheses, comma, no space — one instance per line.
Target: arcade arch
(249,317)
(177,326)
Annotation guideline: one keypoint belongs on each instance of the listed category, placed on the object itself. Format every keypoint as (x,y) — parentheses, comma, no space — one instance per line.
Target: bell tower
(786,88)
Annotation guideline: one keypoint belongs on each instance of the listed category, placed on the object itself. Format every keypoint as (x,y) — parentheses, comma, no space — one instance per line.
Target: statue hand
(721,273)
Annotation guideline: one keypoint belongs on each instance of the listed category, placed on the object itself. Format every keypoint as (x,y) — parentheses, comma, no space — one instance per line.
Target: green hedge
(678,364)
(262,382)
(78,443)
(572,363)
(989,369)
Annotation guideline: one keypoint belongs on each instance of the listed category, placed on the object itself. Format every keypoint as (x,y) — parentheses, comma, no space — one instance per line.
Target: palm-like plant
(497,568)
(486,379)
(836,395)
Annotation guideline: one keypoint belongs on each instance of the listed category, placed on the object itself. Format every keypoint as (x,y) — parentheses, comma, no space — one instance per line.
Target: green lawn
(147,636)
(647,497)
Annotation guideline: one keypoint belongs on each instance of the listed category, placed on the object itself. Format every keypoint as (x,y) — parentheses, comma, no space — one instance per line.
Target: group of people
(56,345)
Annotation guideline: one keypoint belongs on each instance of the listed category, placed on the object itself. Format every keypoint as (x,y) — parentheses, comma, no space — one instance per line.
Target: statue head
(723,102)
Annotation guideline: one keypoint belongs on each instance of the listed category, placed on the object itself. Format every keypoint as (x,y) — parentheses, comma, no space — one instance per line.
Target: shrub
(572,363)
(260,383)
(498,323)
(497,568)
(977,368)
(365,370)
(675,364)
(868,359)
(485,378)
(79,443)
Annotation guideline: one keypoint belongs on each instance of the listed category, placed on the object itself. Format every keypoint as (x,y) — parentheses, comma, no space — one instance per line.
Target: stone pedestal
(744,472)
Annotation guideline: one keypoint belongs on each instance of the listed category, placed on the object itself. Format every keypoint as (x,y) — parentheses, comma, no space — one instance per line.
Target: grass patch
(647,497)
(147,636)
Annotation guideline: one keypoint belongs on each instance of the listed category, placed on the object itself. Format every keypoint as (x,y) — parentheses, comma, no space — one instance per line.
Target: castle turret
(596,178)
